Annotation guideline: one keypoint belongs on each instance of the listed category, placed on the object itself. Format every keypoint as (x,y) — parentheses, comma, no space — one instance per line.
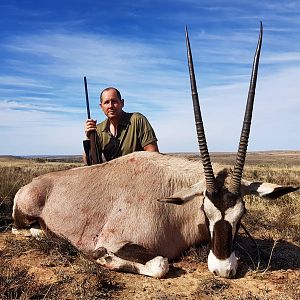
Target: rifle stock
(91,149)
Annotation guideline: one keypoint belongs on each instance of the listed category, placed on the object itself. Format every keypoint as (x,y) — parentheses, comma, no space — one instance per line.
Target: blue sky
(139,46)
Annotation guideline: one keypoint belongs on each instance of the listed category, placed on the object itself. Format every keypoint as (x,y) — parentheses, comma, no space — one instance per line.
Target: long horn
(234,186)
(208,171)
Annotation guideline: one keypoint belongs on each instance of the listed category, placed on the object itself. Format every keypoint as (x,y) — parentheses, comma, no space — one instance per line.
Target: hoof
(158,267)
(37,233)
(21,232)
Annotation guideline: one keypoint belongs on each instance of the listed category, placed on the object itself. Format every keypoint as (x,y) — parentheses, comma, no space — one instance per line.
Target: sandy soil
(187,279)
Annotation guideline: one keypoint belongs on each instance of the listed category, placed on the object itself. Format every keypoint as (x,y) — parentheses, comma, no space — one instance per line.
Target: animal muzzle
(222,267)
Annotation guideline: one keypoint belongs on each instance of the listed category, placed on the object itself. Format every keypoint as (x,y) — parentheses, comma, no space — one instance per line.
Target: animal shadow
(267,255)
(175,272)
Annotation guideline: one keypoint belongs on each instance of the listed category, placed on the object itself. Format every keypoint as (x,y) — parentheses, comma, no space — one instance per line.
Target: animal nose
(222,267)
(228,273)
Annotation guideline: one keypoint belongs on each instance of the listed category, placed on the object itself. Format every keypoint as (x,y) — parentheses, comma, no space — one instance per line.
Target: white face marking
(212,213)
(222,267)
(233,215)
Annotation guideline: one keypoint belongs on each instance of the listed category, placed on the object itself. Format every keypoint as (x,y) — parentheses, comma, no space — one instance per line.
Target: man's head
(111,102)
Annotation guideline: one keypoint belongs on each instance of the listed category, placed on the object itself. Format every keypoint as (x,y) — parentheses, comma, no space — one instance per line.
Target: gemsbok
(118,212)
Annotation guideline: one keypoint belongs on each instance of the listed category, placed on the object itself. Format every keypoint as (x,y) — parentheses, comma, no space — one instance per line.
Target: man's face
(111,105)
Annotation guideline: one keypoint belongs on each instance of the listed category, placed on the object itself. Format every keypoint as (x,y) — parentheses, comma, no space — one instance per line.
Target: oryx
(117,213)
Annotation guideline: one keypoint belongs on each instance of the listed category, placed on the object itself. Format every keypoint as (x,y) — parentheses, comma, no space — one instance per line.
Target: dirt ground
(188,277)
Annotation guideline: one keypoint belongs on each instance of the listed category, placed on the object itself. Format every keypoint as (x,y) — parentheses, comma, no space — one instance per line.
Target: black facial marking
(222,199)
(238,225)
(222,239)
(207,226)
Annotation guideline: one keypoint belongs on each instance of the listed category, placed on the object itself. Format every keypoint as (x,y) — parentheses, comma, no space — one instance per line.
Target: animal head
(223,193)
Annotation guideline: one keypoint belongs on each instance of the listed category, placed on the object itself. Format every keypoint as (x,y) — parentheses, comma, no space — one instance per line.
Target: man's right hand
(89,126)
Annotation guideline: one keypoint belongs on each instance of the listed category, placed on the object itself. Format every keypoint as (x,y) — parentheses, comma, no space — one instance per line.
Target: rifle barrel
(87,98)
(92,151)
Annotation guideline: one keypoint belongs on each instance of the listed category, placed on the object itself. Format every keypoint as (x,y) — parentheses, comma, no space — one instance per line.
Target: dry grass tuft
(277,219)
(16,283)
(75,276)
(196,254)
(60,250)
(211,287)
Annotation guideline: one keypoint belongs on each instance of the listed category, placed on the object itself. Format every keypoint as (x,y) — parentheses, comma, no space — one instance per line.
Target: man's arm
(146,134)
(91,143)
(151,147)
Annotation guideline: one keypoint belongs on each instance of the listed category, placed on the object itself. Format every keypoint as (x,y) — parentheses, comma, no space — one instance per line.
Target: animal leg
(37,233)
(34,231)
(157,267)
(22,220)
(21,232)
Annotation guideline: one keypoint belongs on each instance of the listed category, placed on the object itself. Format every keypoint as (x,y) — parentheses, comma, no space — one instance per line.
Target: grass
(278,218)
(74,276)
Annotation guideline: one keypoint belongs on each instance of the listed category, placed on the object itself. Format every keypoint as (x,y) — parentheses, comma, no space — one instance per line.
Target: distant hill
(43,158)
(65,158)
(289,158)
(259,157)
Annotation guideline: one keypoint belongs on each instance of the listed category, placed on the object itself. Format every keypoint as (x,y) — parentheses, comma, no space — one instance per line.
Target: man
(121,133)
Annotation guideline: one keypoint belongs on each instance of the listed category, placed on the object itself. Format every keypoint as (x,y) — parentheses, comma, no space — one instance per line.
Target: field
(52,269)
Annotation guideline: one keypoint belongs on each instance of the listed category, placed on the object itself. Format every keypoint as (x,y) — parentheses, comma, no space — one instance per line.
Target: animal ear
(265,190)
(185,195)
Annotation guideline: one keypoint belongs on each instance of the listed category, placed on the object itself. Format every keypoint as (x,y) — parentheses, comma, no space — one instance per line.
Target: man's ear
(265,190)
(122,100)
(186,194)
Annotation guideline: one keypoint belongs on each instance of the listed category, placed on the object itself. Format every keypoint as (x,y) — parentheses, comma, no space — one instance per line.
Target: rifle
(91,146)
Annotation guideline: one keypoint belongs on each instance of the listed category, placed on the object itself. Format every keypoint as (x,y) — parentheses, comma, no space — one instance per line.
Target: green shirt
(134,132)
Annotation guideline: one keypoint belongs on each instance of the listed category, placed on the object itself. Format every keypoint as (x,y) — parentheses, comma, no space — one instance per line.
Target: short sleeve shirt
(134,132)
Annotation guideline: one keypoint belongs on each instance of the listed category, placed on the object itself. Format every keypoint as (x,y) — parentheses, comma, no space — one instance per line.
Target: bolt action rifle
(91,146)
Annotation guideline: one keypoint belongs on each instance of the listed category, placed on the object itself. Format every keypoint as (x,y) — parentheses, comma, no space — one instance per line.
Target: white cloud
(275,124)
(46,115)
(293,57)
